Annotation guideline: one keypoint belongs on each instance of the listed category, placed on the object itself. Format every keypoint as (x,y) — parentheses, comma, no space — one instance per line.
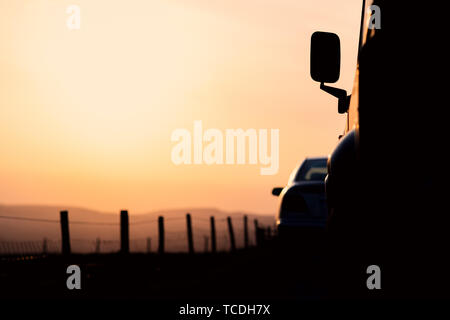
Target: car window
(312,170)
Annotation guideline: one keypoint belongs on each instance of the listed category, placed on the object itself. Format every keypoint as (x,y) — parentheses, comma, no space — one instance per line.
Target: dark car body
(302,207)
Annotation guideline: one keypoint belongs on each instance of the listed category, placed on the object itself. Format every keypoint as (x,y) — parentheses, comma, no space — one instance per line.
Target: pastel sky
(86,115)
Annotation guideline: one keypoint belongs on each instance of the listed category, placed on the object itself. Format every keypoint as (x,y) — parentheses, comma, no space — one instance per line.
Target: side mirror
(325,57)
(276,191)
(325,65)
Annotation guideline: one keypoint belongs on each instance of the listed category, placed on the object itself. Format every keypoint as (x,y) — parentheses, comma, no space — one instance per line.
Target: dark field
(267,272)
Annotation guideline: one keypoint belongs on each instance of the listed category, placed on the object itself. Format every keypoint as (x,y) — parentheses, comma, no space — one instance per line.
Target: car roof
(316,158)
(308,159)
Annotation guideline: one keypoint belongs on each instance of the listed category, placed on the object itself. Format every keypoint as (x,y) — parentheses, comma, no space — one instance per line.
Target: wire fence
(144,236)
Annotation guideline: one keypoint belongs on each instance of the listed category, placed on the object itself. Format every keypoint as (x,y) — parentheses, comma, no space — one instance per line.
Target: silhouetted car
(302,201)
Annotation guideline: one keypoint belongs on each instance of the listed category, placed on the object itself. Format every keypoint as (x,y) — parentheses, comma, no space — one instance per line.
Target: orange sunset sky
(86,115)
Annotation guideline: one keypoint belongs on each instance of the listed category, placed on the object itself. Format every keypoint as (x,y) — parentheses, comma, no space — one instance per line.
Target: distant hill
(86,226)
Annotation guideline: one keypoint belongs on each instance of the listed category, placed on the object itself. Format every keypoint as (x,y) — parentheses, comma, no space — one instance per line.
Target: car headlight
(295,203)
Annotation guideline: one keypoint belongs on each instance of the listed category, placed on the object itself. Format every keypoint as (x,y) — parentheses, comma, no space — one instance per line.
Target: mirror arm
(335,92)
(341,94)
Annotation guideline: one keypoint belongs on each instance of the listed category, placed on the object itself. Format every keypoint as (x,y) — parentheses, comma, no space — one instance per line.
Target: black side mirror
(277,191)
(325,65)
(325,57)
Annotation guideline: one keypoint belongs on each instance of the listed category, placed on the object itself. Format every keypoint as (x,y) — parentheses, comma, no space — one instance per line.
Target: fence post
(124,232)
(28,247)
(206,243)
(256,233)
(213,235)
(149,245)
(23,247)
(161,234)
(97,246)
(65,238)
(44,246)
(35,247)
(230,230)
(245,232)
(189,233)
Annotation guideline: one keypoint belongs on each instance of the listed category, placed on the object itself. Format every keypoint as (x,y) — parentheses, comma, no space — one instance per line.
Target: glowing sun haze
(86,115)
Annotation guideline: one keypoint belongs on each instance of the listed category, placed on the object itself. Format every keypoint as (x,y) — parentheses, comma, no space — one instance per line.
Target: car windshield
(312,170)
